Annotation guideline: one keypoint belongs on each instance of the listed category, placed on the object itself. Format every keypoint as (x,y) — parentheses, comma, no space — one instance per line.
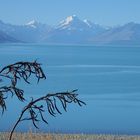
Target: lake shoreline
(54,136)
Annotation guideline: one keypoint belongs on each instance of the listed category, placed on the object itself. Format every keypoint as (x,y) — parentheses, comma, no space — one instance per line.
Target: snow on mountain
(87,22)
(72,23)
(31,32)
(66,22)
(73,30)
(37,25)
(70,30)
(32,23)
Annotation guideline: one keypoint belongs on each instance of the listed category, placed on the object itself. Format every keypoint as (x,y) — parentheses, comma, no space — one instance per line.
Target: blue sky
(106,12)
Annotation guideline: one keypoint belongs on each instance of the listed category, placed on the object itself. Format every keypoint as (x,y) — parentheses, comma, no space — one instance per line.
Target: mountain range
(71,30)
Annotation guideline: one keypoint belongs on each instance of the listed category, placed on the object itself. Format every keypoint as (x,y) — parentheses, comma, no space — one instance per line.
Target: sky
(105,12)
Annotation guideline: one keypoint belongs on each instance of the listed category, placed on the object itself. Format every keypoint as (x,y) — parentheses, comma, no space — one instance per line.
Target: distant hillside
(126,34)
(4,38)
(32,32)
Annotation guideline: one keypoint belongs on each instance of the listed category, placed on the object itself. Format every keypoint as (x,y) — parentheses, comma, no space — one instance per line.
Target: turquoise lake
(107,79)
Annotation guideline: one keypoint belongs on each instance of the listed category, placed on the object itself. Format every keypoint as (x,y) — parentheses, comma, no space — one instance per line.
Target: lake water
(107,79)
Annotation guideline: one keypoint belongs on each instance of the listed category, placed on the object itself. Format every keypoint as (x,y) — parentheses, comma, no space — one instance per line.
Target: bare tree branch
(23,70)
(35,109)
(36,112)
(2,102)
(15,72)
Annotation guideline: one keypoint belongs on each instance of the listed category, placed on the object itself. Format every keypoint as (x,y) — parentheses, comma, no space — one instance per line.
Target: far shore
(51,136)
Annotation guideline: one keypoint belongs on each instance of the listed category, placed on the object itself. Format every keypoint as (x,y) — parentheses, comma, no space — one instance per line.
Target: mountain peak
(72,23)
(32,23)
(68,20)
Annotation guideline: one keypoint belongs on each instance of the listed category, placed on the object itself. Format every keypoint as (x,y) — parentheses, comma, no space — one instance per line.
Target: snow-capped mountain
(73,30)
(72,23)
(33,31)
(36,31)
(37,25)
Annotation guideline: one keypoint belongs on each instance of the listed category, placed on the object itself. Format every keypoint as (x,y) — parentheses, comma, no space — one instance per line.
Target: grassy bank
(42,136)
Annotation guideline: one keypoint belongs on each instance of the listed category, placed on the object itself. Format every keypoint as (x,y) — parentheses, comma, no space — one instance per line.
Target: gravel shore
(43,136)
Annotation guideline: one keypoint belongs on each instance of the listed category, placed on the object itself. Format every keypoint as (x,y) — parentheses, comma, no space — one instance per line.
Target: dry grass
(43,136)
